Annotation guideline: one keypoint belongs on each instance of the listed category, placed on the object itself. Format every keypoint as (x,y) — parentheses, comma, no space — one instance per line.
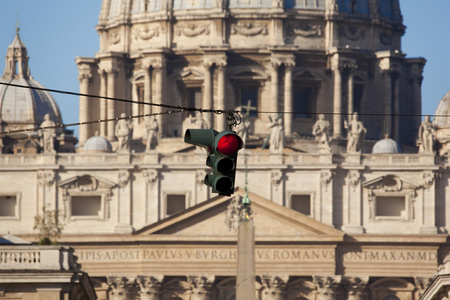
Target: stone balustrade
(55,258)
(189,160)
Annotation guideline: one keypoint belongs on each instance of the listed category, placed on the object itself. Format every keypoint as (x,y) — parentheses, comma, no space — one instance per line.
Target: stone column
(150,287)
(274,87)
(102,102)
(157,99)
(327,286)
(207,95)
(274,287)
(84,79)
(350,96)
(337,104)
(288,105)
(111,112)
(147,90)
(201,287)
(220,120)
(120,287)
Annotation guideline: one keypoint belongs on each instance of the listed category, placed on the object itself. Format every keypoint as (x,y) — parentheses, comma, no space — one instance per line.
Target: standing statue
(47,136)
(124,131)
(276,139)
(321,130)
(151,124)
(427,136)
(355,134)
(199,121)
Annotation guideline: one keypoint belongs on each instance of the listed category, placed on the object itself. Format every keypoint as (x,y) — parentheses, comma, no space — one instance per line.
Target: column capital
(218,60)
(327,286)
(201,286)
(274,287)
(150,286)
(153,62)
(356,287)
(120,286)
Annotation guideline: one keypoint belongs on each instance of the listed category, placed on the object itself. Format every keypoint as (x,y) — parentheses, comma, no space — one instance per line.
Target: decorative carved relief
(352,33)
(249,28)
(192,30)
(151,175)
(124,177)
(114,37)
(353,178)
(147,33)
(304,30)
(276,176)
(175,288)
(325,177)
(428,179)
(46,178)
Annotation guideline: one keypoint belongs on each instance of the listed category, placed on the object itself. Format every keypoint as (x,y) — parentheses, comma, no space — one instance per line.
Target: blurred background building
(347,206)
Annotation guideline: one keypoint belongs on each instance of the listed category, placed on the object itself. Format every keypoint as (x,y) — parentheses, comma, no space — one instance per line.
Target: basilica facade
(349,196)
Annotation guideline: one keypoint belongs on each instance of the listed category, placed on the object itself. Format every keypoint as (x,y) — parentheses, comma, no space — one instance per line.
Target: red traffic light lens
(228,144)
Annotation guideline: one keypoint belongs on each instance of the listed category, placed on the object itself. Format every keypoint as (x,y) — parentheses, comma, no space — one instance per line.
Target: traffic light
(222,156)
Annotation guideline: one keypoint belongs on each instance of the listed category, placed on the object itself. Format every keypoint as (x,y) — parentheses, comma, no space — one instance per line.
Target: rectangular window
(8,206)
(390,206)
(175,204)
(303,100)
(301,203)
(194,96)
(249,94)
(86,206)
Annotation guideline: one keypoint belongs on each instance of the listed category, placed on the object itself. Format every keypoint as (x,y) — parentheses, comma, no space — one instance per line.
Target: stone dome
(386,145)
(386,8)
(23,106)
(442,111)
(97,144)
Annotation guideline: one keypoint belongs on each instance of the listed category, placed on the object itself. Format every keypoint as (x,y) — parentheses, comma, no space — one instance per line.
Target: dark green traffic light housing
(222,151)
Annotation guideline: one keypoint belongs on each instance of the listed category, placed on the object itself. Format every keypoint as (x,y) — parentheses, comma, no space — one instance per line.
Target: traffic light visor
(200,137)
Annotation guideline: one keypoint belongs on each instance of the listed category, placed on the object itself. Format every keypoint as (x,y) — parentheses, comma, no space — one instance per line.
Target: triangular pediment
(390,183)
(270,220)
(86,183)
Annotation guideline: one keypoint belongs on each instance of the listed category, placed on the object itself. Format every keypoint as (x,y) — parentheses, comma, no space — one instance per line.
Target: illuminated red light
(228,144)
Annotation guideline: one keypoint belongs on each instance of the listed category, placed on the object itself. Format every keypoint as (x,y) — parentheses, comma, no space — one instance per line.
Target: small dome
(385,145)
(97,144)
(442,111)
(21,105)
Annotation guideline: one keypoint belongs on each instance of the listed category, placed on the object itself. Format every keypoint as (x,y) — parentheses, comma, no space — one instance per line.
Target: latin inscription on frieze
(263,255)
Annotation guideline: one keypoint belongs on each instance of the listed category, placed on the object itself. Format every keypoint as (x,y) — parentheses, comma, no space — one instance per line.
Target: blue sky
(57,31)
